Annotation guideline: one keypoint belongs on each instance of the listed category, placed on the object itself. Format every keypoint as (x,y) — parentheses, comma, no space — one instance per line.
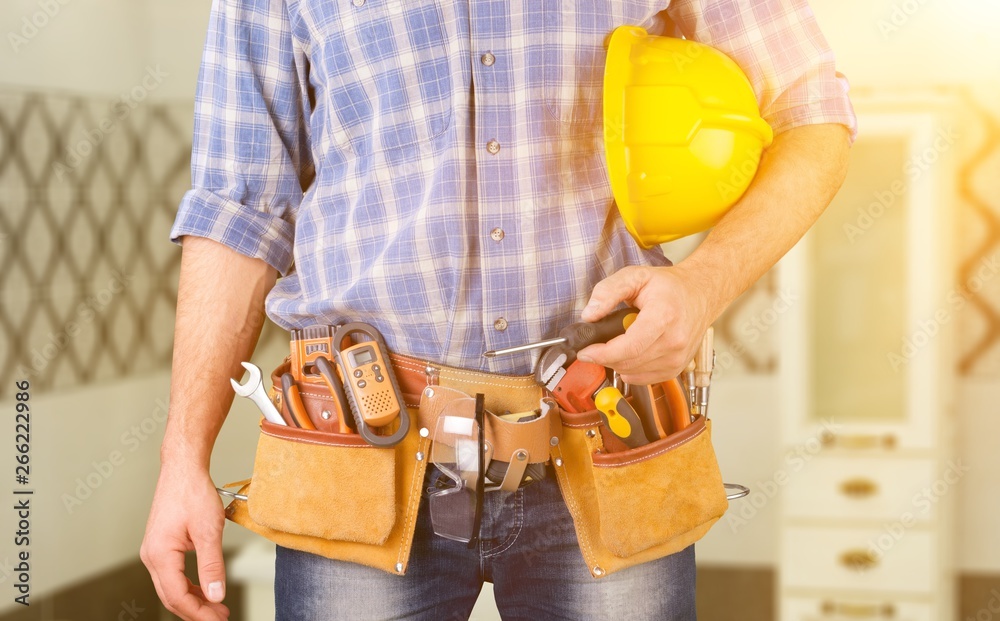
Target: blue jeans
(528,550)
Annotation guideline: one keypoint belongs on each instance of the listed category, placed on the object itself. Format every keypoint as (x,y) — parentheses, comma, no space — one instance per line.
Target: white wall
(937,41)
(87,46)
(176,36)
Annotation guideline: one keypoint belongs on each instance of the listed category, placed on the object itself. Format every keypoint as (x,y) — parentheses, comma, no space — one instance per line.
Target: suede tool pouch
(307,483)
(635,505)
(333,494)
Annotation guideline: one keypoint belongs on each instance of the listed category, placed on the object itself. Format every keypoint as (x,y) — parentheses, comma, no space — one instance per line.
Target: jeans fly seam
(511,538)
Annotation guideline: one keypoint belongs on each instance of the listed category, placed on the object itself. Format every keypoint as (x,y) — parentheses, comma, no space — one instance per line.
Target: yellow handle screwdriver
(620,417)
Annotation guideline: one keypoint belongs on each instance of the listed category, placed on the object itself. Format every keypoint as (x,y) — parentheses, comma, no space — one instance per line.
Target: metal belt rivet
(558,461)
(598,571)
(432,373)
(428,392)
(554,441)
(326,414)
(591,433)
(420,456)
(399,567)
(521,455)
(424,432)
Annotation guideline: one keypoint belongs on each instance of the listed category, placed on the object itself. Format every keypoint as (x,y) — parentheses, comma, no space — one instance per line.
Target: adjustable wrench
(254,390)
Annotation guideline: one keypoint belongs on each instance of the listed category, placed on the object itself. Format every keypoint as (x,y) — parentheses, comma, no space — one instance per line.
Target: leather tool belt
(335,495)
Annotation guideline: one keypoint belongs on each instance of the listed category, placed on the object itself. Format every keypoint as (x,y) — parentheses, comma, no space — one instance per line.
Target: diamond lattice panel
(84,254)
(745,333)
(979,248)
(87,273)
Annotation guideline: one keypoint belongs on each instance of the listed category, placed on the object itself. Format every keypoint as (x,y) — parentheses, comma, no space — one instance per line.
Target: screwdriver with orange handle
(578,335)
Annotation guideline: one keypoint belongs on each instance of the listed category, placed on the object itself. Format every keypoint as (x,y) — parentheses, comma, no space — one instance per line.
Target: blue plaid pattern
(346,143)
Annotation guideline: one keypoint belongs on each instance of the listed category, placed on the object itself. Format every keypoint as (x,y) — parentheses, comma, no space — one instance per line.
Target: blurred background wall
(95,123)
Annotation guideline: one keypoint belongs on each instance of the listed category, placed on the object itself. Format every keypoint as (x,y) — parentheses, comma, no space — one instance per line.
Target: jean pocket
(387,73)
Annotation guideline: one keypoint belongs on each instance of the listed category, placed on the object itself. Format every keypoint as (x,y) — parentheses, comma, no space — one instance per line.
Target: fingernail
(215,591)
(585,358)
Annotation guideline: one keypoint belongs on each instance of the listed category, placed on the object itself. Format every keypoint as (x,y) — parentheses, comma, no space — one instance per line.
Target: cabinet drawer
(851,609)
(890,558)
(864,488)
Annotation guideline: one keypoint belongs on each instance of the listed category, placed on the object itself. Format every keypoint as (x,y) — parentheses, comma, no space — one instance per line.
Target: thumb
(622,286)
(211,568)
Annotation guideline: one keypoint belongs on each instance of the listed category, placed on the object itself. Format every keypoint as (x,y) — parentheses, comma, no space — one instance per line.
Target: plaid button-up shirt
(436,168)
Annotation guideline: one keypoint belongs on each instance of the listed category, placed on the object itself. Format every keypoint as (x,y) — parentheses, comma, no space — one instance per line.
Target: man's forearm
(798,177)
(220,313)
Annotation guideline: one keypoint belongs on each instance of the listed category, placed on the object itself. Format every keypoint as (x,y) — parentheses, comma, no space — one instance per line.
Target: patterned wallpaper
(88,192)
(978,243)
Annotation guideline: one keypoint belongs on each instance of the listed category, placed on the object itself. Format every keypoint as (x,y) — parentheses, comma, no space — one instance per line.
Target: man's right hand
(220,312)
(186,515)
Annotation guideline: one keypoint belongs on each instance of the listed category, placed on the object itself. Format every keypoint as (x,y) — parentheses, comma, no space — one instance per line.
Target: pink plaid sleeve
(778,44)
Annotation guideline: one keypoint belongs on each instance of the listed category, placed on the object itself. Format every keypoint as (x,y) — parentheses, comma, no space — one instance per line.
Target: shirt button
(359,2)
(497,234)
(493,147)
(488,59)
(500,324)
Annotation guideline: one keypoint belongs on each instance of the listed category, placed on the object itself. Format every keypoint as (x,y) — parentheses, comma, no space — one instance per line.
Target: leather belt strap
(503,394)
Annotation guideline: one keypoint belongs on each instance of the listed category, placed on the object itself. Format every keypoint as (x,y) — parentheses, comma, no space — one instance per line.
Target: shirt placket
(501,245)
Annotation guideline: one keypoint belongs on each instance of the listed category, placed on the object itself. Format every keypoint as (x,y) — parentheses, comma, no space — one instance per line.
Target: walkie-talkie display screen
(363,356)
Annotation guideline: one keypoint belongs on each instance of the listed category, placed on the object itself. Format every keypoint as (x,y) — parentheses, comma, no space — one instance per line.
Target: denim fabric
(528,551)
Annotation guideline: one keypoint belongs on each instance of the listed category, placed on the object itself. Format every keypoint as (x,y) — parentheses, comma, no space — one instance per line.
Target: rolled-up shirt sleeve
(778,44)
(250,160)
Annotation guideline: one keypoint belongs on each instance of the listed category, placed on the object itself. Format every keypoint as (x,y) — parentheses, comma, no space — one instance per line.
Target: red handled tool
(293,403)
(579,386)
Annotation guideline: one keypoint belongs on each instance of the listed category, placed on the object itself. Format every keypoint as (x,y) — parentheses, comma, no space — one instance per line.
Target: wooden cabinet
(865,374)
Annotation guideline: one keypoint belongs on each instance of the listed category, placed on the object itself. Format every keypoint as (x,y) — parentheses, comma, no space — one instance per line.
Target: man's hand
(186,515)
(798,177)
(673,316)
(220,312)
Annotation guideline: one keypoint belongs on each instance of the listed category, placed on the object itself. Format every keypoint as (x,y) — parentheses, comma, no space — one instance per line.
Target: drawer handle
(858,560)
(858,441)
(859,488)
(858,611)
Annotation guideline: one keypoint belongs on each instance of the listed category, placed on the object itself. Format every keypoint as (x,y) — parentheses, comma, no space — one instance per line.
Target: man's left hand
(674,313)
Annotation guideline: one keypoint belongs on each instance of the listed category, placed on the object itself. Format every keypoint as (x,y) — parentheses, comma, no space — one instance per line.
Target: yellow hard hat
(682,133)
